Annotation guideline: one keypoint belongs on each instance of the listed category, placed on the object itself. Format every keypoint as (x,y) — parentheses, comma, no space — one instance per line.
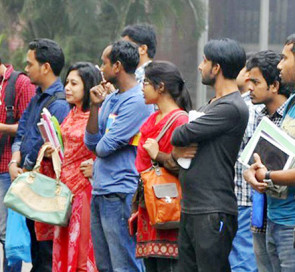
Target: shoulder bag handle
(169,123)
(55,159)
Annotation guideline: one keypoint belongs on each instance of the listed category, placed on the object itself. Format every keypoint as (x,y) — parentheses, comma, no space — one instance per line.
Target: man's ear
(46,68)
(215,68)
(117,66)
(142,49)
(274,88)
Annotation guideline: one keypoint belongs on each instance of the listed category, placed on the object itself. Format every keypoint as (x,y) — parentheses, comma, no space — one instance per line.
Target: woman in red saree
(72,245)
(163,86)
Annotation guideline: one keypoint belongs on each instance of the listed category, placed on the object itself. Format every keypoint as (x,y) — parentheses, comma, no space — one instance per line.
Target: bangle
(11,162)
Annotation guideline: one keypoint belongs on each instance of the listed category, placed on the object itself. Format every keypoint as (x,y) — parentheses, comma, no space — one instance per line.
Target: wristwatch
(267,179)
(11,162)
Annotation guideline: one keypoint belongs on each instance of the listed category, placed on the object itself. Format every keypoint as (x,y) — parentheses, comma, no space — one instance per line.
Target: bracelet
(11,162)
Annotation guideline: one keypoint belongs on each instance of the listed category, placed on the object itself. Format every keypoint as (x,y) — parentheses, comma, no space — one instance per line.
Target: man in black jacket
(209,205)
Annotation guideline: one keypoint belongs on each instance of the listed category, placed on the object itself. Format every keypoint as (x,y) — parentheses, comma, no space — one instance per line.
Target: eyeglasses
(146,82)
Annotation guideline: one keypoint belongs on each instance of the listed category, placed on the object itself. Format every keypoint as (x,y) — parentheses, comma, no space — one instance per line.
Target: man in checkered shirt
(242,258)
(24,91)
(265,87)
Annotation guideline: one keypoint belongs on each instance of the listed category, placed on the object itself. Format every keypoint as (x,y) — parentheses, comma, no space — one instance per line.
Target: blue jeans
(279,243)
(261,255)
(4,185)
(114,248)
(242,258)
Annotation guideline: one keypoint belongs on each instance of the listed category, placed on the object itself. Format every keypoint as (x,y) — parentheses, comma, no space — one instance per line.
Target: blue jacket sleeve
(22,127)
(60,109)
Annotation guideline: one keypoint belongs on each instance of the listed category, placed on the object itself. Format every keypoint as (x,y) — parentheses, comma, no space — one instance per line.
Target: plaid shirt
(140,73)
(242,188)
(24,91)
(276,118)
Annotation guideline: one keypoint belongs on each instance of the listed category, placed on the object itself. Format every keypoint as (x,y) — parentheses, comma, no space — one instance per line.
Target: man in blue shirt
(109,134)
(280,211)
(45,60)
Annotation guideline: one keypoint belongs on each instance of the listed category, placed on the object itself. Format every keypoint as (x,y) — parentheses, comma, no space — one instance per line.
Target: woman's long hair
(166,72)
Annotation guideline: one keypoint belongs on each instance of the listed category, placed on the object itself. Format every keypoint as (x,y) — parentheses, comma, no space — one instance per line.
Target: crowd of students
(102,111)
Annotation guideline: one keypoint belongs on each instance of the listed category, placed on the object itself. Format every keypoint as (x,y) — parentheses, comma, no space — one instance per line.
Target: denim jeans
(4,185)
(242,258)
(114,248)
(279,243)
(261,254)
(205,241)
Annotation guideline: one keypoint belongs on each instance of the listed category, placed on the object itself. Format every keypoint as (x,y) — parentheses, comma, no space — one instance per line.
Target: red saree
(72,245)
(150,241)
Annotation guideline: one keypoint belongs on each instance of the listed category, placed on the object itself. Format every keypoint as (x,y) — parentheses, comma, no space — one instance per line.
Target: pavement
(25,268)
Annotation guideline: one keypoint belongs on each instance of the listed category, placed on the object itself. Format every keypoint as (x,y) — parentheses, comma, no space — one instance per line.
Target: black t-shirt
(208,184)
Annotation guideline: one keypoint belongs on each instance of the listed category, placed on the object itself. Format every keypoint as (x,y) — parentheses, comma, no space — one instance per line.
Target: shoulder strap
(10,97)
(56,96)
(169,123)
(290,105)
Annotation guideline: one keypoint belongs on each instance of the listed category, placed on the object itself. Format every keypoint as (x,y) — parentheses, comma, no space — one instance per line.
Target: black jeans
(205,242)
(160,264)
(41,251)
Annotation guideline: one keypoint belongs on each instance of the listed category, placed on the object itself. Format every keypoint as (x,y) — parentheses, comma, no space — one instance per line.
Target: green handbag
(39,197)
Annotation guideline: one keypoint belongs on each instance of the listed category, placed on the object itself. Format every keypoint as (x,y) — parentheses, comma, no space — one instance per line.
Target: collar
(57,86)
(246,96)
(144,65)
(128,92)
(279,112)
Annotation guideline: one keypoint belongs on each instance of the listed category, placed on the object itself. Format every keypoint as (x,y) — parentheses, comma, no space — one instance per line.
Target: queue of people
(111,118)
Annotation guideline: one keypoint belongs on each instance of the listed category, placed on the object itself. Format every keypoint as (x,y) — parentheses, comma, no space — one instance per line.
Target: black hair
(48,51)
(166,72)
(291,40)
(142,34)
(267,62)
(228,54)
(126,53)
(90,76)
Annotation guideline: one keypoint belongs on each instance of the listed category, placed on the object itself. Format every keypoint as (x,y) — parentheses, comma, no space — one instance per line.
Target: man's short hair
(291,40)
(228,54)
(142,34)
(48,51)
(127,53)
(267,62)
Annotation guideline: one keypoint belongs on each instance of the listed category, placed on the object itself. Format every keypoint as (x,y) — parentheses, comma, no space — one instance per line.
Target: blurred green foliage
(84,27)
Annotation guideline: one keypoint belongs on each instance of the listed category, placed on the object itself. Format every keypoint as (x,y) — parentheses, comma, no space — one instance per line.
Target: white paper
(192,115)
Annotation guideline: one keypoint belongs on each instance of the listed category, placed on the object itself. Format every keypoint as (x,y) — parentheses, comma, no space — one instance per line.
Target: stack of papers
(275,147)
(50,131)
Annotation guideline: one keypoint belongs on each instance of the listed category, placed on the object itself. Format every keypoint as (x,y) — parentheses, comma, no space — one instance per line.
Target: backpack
(9,106)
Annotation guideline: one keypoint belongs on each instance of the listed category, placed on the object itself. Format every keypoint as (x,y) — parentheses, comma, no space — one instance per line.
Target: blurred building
(256,24)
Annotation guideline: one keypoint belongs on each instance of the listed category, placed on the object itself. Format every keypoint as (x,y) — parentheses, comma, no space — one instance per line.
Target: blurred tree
(84,28)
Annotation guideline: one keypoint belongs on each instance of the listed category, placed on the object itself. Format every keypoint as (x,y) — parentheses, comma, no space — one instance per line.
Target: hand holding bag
(162,190)
(39,197)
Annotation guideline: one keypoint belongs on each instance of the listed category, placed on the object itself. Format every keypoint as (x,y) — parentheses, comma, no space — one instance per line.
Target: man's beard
(209,80)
